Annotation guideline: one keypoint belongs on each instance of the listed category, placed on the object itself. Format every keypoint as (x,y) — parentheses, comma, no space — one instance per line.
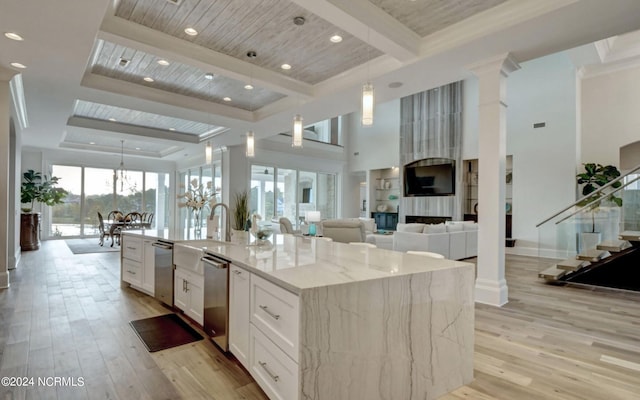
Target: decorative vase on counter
(197,222)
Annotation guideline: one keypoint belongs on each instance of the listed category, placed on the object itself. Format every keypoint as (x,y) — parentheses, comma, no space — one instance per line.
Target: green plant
(41,189)
(594,177)
(240,210)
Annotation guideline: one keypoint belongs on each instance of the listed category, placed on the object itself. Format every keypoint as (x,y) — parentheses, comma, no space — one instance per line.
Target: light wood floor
(65,315)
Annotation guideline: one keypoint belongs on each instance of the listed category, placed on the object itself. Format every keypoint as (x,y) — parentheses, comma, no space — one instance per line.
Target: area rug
(163,332)
(86,246)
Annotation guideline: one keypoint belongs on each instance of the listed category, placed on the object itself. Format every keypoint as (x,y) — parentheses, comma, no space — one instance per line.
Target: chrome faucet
(227,227)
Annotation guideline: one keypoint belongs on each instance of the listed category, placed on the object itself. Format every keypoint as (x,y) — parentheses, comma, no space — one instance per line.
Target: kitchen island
(312,319)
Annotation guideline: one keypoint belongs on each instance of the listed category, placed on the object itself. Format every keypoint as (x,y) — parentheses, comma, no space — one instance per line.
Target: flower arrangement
(198,198)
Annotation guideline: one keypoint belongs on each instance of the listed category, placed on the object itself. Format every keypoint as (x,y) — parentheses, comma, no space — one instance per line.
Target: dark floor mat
(163,332)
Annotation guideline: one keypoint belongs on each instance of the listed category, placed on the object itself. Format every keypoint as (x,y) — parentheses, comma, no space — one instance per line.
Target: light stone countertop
(298,263)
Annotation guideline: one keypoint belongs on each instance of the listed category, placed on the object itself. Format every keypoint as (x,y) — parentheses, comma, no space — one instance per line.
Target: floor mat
(163,332)
(86,246)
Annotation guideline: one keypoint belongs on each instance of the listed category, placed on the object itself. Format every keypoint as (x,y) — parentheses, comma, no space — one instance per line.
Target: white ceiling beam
(160,96)
(120,31)
(368,23)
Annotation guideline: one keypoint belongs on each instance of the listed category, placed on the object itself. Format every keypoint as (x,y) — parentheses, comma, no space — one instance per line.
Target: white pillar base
(493,293)
(4,279)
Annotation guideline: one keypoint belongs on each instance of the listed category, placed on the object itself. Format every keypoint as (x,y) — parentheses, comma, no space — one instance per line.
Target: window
(93,190)
(205,176)
(282,192)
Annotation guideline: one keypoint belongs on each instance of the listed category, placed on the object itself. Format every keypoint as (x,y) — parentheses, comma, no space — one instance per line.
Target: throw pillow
(413,228)
(454,228)
(470,226)
(435,228)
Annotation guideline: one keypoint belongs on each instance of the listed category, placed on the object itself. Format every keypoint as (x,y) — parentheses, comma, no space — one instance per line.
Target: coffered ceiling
(85,72)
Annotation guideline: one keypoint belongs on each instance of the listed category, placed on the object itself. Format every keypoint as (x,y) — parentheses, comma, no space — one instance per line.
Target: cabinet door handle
(132,248)
(273,376)
(186,286)
(131,272)
(237,272)
(266,309)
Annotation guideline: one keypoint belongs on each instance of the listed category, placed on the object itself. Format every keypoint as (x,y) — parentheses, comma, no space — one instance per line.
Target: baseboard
(493,293)
(4,280)
(535,252)
(14,261)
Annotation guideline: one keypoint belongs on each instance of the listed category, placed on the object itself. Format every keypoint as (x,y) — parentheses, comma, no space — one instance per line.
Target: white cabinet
(276,373)
(138,263)
(263,332)
(239,314)
(131,271)
(275,311)
(189,294)
(148,266)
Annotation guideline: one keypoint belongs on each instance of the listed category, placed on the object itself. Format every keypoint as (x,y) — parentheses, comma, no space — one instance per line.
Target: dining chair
(147,220)
(101,230)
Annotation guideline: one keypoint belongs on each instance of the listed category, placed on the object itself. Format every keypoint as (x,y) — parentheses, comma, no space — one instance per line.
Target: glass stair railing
(591,233)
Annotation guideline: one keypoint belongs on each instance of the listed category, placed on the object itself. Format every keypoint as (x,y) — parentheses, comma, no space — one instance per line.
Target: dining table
(115,226)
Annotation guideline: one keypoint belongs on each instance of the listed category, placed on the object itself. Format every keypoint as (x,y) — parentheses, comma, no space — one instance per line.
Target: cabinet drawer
(275,312)
(132,272)
(132,248)
(274,371)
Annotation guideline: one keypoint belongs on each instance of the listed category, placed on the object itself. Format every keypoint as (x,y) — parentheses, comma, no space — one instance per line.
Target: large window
(93,190)
(210,177)
(281,192)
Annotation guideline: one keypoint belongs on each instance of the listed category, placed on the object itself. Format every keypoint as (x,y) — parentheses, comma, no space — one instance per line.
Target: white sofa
(455,240)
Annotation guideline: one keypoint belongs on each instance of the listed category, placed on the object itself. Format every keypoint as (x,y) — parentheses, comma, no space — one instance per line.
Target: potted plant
(36,188)
(240,211)
(594,177)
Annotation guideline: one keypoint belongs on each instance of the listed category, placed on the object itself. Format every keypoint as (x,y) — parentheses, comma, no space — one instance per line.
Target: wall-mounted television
(430,177)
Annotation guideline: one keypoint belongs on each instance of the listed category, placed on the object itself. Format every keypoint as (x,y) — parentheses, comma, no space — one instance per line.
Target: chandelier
(123,173)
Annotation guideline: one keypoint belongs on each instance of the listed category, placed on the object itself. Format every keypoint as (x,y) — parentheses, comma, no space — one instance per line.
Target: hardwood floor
(66,316)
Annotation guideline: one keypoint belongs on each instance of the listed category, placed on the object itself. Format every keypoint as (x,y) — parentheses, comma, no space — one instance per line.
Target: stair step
(629,235)
(614,246)
(572,264)
(593,255)
(552,273)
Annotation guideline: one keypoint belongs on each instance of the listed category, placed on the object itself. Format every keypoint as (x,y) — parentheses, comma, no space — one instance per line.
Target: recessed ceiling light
(336,39)
(191,31)
(172,129)
(137,148)
(13,36)
(92,142)
(163,62)
(227,99)
(112,119)
(395,85)
(18,65)
(209,76)
(148,79)
(285,66)
(248,87)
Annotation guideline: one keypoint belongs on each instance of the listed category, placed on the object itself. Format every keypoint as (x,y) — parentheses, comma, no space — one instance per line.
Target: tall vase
(197,222)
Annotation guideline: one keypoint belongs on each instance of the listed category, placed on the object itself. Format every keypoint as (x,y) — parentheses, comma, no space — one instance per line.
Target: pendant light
(367,92)
(251,144)
(297,129)
(208,152)
(123,173)
(251,150)
(296,134)
(208,148)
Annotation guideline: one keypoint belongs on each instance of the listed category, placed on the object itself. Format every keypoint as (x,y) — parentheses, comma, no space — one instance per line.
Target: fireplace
(410,219)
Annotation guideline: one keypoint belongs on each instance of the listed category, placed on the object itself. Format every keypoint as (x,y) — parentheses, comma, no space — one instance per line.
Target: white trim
(4,279)
(493,293)
(592,71)
(19,104)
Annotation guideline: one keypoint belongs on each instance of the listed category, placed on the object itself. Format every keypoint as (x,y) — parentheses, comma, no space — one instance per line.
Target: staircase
(611,263)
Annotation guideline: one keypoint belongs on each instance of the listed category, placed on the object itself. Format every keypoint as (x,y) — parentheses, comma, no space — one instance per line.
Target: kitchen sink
(187,255)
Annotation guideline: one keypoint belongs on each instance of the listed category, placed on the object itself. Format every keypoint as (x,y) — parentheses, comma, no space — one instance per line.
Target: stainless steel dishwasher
(163,280)
(216,299)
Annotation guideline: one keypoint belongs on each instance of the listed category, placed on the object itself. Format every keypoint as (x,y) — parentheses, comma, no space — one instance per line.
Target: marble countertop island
(373,323)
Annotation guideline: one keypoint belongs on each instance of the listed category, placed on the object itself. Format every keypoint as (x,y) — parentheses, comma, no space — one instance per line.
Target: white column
(491,286)
(5,190)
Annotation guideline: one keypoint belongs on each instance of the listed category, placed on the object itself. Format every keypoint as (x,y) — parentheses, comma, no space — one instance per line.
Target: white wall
(544,159)
(610,115)
(377,146)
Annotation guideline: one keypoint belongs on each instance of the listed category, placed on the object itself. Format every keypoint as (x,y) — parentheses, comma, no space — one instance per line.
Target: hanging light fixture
(297,130)
(251,150)
(123,173)
(208,152)
(367,93)
(296,133)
